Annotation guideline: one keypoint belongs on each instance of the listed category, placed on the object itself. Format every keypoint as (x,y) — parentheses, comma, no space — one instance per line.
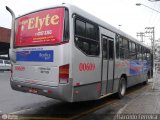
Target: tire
(149,75)
(122,88)
(146,81)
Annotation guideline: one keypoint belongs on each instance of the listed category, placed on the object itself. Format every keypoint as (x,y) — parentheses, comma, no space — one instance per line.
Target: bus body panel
(60,92)
(43,76)
(86,76)
(40,65)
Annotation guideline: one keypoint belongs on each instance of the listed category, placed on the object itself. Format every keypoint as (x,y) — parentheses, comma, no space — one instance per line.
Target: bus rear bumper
(61,92)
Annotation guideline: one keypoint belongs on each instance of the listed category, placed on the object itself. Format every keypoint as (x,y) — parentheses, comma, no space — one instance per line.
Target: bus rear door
(107,64)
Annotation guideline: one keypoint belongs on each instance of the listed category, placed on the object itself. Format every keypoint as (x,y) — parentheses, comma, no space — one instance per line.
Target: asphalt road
(12,101)
(30,105)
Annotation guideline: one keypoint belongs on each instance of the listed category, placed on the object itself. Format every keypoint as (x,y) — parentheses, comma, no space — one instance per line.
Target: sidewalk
(147,103)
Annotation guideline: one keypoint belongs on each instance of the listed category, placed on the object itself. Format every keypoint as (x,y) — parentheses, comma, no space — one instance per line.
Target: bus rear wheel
(147,77)
(122,88)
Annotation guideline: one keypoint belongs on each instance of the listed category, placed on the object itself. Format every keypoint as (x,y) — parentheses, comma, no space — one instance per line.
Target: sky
(131,18)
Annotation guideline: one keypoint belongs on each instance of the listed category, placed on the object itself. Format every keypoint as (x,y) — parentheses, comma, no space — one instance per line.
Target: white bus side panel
(86,76)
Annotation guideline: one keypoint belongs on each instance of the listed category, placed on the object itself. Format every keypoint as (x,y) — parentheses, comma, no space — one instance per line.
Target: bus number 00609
(87,67)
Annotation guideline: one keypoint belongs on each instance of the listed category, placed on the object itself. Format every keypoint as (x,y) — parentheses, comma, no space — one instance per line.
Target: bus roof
(75,10)
(81,12)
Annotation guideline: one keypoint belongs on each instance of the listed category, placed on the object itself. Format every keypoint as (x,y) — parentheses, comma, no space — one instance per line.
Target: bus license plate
(33,90)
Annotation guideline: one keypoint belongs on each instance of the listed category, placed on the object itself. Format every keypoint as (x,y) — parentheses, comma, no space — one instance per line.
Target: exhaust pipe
(13,27)
(12,37)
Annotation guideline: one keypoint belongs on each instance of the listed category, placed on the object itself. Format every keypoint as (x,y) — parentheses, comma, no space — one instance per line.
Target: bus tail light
(64,74)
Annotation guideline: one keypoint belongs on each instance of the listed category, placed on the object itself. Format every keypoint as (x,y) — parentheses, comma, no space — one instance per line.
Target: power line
(141,35)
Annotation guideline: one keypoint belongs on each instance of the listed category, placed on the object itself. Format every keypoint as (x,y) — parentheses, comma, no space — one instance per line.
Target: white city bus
(65,53)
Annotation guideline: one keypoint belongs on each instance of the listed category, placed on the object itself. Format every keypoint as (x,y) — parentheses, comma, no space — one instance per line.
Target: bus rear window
(40,28)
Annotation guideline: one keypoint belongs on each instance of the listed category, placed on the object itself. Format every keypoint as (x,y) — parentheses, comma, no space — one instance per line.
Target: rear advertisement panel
(35,56)
(43,27)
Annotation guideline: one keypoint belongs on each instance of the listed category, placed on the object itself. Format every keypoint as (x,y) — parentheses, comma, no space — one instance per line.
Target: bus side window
(87,37)
(148,55)
(80,28)
(91,31)
(111,50)
(125,47)
(79,43)
(94,49)
(133,51)
(66,26)
(105,49)
(140,51)
(121,50)
(86,47)
(117,46)
(144,53)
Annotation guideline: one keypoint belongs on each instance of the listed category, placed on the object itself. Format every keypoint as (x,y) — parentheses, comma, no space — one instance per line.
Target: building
(4,40)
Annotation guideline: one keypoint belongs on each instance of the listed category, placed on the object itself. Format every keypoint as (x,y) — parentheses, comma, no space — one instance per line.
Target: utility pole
(141,35)
(151,32)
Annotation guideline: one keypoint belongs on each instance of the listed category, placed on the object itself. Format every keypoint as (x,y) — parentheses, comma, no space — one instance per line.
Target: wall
(5,35)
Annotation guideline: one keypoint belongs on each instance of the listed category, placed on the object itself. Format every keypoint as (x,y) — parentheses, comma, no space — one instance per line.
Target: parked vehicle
(5,65)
